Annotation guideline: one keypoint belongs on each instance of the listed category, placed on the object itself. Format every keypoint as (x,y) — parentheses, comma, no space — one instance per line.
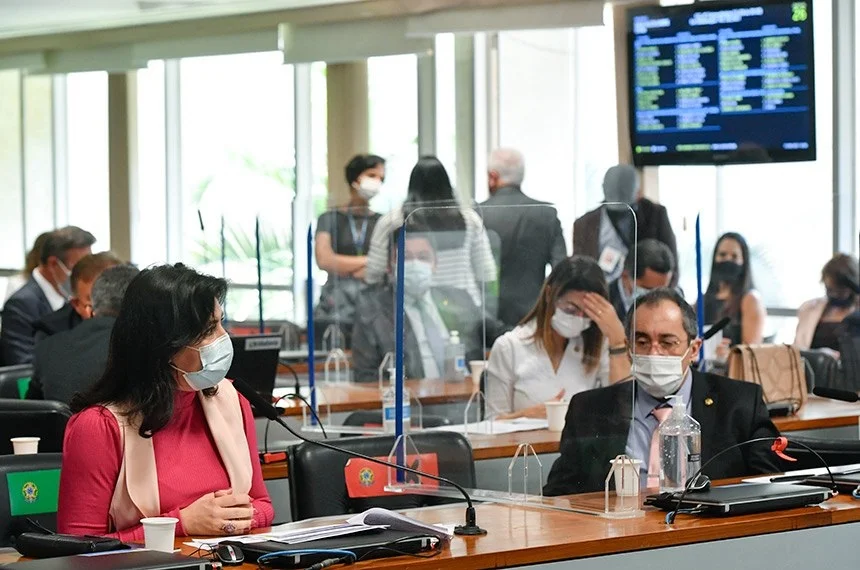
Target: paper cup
(555,412)
(159,533)
(630,485)
(25,445)
(477,367)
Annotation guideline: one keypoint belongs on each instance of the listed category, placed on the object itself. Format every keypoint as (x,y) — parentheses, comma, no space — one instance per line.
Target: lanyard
(357,238)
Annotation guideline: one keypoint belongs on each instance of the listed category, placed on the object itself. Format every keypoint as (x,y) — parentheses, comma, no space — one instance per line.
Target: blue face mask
(215,358)
(639,291)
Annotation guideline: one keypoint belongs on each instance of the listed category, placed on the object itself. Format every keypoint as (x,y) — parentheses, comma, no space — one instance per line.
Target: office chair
(29,488)
(318,483)
(373,418)
(849,353)
(833,451)
(9,377)
(39,418)
(821,369)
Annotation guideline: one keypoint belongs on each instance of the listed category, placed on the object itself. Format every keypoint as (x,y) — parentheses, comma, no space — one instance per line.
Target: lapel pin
(709,401)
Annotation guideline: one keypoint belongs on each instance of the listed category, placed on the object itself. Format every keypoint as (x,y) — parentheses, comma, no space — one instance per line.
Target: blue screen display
(720,82)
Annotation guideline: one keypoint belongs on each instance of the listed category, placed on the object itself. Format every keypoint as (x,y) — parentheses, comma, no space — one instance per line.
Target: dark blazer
(71,361)
(373,332)
(531,238)
(598,422)
(652,222)
(63,319)
(617,300)
(20,314)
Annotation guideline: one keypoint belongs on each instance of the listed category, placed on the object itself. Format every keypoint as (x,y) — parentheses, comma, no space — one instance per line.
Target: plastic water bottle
(680,448)
(455,358)
(389,409)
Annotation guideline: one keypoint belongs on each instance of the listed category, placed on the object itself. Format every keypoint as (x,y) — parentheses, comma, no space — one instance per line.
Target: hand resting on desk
(219,513)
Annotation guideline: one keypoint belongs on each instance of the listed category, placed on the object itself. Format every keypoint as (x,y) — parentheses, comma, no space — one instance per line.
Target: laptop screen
(255,361)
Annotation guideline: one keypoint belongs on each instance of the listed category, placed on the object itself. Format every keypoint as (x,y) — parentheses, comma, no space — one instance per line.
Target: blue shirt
(644,423)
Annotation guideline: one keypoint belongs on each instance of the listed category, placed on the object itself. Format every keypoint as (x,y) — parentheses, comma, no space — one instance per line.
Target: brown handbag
(777,368)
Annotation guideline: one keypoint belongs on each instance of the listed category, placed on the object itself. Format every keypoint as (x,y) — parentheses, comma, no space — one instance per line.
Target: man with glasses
(623,418)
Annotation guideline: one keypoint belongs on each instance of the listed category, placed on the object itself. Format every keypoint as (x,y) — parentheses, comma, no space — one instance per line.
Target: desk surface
(819,413)
(523,535)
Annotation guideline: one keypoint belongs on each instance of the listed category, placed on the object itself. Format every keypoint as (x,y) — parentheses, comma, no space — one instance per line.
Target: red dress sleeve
(92,456)
(264,513)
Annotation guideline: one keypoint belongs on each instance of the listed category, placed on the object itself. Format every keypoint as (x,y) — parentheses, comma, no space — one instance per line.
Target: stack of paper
(495,427)
(295,536)
(396,521)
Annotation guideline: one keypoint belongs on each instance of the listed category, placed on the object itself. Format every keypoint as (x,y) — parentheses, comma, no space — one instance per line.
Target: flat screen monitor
(721,82)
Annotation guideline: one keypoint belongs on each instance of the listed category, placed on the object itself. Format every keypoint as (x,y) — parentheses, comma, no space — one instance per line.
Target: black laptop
(375,543)
(743,498)
(117,560)
(255,361)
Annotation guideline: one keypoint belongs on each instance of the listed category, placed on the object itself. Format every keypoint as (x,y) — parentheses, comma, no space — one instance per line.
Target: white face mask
(567,325)
(215,358)
(369,187)
(659,375)
(417,277)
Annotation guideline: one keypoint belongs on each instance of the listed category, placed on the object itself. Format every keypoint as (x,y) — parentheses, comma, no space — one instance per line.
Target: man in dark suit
(651,268)
(607,422)
(72,361)
(47,290)
(431,314)
(80,306)
(593,232)
(530,236)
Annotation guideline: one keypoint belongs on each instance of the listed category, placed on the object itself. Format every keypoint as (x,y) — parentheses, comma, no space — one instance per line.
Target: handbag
(777,368)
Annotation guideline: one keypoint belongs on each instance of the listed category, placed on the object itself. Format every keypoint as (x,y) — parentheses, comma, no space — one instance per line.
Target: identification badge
(609,259)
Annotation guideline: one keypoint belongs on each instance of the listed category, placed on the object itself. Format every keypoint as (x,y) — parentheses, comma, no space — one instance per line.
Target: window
(86,155)
(393,123)
(557,106)
(238,165)
(11,214)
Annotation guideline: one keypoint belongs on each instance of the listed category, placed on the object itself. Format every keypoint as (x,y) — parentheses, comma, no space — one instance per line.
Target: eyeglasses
(668,344)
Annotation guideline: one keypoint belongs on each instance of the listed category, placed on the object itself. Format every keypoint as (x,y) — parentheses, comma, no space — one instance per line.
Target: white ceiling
(35,17)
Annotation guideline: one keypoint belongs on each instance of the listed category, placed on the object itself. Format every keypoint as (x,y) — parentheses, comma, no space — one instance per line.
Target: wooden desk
(819,413)
(366,396)
(519,536)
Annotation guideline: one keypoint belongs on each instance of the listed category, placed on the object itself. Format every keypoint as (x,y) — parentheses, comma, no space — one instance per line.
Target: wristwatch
(616,350)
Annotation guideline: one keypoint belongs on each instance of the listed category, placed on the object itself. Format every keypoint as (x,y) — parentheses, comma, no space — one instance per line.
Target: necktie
(434,336)
(661,413)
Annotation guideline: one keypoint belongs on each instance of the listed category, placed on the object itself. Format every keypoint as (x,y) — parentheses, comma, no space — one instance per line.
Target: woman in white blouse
(571,341)
(464,259)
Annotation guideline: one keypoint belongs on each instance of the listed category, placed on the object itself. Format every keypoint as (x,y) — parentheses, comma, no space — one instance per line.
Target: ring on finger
(228,528)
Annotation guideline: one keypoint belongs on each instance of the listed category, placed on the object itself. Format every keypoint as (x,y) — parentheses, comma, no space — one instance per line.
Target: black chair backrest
(318,485)
(9,376)
(46,419)
(821,369)
(833,451)
(849,354)
(29,488)
(374,418)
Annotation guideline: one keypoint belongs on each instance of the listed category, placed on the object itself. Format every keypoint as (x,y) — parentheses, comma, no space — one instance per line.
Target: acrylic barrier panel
(551,324)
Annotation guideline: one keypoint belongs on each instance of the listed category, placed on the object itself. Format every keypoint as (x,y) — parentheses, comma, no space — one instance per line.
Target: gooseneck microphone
(270,412)
(836,394)
(716,327)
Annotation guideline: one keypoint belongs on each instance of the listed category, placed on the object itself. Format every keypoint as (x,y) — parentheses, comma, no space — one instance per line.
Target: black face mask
(727,271)
(834,299)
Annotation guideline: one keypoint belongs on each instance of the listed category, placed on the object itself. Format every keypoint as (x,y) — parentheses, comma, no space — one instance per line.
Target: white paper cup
(25,445)
(555,412)
(477,367)
(630,486)
(159,533)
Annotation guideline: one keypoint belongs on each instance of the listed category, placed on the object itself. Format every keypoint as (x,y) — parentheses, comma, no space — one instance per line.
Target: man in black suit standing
(651,268)
(46,291)
(528,235)
(72,361)
(607,232)
(607,422)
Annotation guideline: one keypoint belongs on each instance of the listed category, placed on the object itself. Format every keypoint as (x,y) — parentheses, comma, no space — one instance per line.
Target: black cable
(670,517)
(313,413)
(297,386)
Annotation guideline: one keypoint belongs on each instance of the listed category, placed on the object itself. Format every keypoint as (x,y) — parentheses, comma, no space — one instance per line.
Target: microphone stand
(471,527)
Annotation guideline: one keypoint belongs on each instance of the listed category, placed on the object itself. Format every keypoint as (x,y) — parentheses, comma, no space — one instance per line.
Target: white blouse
(520,374)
